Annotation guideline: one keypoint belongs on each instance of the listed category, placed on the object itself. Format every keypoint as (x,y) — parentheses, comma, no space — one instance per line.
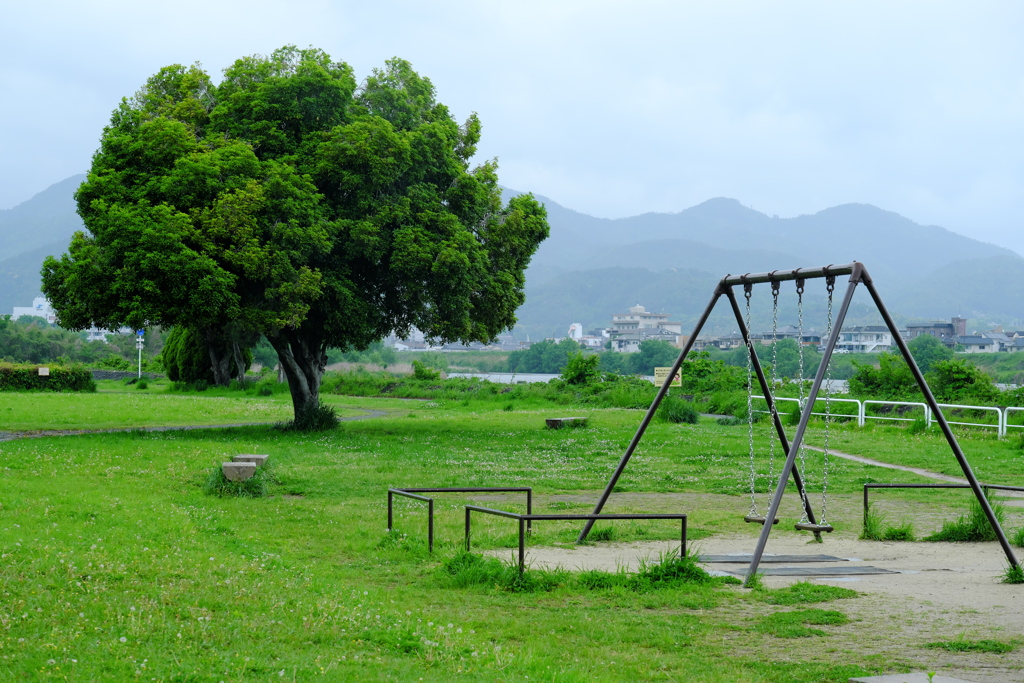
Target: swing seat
(758,519)
(808,526)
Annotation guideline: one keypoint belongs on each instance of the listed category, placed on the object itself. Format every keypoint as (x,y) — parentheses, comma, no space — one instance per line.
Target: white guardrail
(1001,426)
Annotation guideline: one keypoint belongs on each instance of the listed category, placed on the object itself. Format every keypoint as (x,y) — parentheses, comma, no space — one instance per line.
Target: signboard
(661,373)
(44,372)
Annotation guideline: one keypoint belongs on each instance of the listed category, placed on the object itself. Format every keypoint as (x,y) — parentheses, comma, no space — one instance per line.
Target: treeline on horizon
(33,340)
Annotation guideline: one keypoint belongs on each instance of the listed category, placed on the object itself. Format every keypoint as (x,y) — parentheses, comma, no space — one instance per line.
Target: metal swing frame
(858,275)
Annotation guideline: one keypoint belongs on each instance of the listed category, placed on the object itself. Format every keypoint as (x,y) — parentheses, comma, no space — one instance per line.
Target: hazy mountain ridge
(48,217)
(593,267)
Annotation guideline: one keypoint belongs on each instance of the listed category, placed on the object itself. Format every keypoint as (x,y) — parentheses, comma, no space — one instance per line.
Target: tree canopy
(288,201)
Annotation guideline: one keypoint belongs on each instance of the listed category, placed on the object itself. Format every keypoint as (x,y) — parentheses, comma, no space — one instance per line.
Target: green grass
(804,593)
(997,647)
(127,408)
(796,624)
(110,536)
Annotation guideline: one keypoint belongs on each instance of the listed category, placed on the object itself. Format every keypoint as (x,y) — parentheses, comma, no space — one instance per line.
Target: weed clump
(321,418)
(963,645)
(1013,574)
(256,486)
(465,569)
(973,527)
(875,529)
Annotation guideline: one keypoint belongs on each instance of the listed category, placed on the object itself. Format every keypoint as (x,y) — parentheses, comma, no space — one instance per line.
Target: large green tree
(288,201)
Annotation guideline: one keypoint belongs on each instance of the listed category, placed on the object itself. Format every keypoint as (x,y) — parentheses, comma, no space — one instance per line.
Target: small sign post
(139,343)
(660,374)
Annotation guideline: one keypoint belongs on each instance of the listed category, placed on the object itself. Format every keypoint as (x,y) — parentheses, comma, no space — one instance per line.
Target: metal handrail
(413,493)
(591,517)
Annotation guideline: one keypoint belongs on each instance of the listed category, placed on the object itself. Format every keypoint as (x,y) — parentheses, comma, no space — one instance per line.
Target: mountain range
(590,268)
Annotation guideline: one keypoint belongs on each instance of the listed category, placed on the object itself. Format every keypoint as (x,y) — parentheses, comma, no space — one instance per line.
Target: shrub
(27,378)
(582,369)
(421,371)
(676,410)
(142,384)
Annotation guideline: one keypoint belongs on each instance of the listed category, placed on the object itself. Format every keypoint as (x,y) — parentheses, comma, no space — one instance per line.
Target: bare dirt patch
(941,591)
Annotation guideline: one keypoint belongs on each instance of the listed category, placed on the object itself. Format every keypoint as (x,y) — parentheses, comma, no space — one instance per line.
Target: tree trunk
(239,358)
(304,365)
(220,358)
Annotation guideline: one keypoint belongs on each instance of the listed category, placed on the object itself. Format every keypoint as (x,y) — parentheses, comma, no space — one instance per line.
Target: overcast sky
(609,108)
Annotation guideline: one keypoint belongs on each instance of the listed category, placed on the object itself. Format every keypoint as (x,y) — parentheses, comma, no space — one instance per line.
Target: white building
(40,308)
(864,339)
(629,330)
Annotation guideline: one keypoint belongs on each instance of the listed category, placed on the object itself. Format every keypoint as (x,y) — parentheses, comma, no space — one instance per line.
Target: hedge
(61,378)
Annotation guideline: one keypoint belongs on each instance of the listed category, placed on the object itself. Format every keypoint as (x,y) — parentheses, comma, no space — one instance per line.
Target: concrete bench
(257,460)
(560,422)
(243,466)
(238,471)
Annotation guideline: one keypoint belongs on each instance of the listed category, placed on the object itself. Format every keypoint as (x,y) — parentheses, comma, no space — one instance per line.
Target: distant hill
(46,218)
(921,271)
(593,267)
(19,276)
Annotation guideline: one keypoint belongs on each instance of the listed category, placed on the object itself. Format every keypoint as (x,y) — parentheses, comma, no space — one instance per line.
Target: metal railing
(413,494)
(924,406)
(526,519)
(1006,418)
(1002,424)
(999,417)
(985,487)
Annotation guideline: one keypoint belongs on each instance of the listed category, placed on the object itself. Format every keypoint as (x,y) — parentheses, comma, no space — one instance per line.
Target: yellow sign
(661,373)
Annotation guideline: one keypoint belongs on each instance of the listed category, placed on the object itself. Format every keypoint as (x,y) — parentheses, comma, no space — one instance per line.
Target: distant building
(40,308)
(864,339)
(629,330)
(956,327)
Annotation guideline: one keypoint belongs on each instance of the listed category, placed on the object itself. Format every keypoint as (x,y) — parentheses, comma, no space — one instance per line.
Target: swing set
(794,449)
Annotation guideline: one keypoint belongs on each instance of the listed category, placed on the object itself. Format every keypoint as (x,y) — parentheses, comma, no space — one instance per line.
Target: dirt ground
(939,591)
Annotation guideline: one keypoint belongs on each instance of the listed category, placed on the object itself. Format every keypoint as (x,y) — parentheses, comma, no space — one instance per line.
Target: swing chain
(800,385)
(747,290)
(830,283)
(772,387)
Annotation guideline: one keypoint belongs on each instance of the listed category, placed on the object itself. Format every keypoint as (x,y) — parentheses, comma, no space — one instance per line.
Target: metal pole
(391,497)
(682,547)
(805,417)
(946,430)
(522,548)
(769,398)
(650,414)
(467,529)
(430,526)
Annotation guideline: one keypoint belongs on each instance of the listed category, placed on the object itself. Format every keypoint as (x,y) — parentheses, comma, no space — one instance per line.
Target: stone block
(560,422)
(257,460)
(238,471)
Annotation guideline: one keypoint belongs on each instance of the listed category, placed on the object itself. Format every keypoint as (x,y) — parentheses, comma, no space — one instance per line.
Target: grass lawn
(115,565)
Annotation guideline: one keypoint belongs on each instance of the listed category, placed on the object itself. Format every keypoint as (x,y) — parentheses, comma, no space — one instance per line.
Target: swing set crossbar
(795,274)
